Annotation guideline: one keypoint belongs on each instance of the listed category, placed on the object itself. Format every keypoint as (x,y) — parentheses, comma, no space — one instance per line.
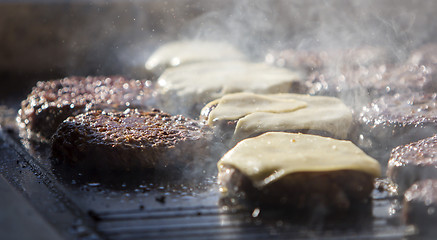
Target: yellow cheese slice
(181,52)
(235,106)
(273,155)
(195,84)
(257,114)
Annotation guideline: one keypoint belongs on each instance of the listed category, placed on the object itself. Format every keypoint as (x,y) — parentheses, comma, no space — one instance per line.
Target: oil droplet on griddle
(256,212)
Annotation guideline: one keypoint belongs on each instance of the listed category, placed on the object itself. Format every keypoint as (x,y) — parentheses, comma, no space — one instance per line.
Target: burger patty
(420,205)
(225,129)
(396,120)
(260,113)
(51,102)
(298,171)
(313,60)
(355,75)
(413,162)
(307,61)
(417,74)
(306,190)
(129,140)
(410,78)
(177,53)
(187,88)
(364,81)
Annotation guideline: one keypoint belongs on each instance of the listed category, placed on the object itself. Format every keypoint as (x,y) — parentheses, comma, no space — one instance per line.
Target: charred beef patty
(396,120)
(420,205)
(313,60)
(351,74)
(128,140)
(51,102)
(300,171)
(307,61)
(409,78)
(413,162)
(417,74)
(237,116)
(364,82)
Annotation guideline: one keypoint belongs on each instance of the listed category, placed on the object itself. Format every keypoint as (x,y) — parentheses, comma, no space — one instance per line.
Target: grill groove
(213,222)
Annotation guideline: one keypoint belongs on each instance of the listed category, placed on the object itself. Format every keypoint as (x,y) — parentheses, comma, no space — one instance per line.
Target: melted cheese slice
(282,112)
(199,83)
(273,155)
(235,106)
(181,52)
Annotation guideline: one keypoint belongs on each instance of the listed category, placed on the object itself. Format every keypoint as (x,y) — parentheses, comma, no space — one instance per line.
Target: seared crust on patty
(396,120)
(51,102)
(413,162)
(130,140)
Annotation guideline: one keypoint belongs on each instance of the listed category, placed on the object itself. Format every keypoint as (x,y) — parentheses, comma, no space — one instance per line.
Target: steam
(117,37)
(247,24)
(258,25)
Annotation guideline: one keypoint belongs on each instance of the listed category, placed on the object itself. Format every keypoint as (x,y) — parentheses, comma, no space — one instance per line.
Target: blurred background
(46,39)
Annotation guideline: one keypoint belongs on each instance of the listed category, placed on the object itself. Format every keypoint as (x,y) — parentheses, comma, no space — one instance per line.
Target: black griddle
(154,207)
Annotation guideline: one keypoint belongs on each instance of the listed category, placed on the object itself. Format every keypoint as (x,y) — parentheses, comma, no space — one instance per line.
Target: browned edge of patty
(396,120)
(413,162)
(302,191)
